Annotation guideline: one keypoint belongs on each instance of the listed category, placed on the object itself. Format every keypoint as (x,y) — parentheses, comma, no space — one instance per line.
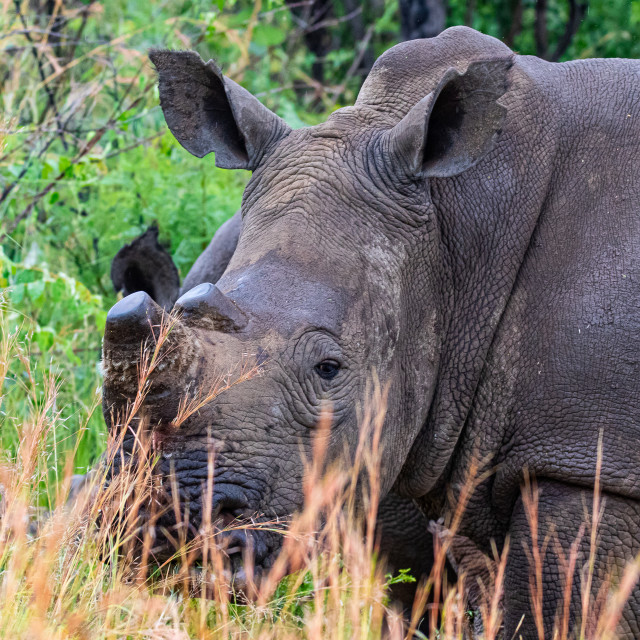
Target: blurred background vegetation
(87,164)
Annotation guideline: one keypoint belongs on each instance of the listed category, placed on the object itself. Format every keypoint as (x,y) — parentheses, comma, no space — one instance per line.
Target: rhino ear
(208,112)
(144,265)
(452,128)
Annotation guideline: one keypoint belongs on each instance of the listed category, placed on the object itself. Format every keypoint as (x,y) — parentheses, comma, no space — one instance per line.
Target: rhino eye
(327,369)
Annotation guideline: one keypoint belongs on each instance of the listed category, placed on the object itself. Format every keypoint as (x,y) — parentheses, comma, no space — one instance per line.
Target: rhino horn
(132,319)
(207,305)
(133,328)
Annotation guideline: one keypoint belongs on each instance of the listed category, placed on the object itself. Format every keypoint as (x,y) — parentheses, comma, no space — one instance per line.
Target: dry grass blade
(192,404)
(90,570)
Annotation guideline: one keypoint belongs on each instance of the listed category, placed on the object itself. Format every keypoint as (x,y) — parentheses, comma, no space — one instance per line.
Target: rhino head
(337,276)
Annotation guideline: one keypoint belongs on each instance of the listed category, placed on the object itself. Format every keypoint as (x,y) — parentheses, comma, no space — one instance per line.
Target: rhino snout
(144,345)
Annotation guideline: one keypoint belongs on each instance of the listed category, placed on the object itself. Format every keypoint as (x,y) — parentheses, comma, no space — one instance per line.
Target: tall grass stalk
(88,569)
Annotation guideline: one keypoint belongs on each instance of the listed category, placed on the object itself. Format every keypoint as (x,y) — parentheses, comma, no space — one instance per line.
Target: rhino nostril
(229,501)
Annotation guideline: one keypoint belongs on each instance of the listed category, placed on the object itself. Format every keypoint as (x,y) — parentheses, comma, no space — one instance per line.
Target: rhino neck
(487,218)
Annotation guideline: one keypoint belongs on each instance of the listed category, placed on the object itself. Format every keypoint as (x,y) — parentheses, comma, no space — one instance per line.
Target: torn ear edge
(145,265)
(455,126)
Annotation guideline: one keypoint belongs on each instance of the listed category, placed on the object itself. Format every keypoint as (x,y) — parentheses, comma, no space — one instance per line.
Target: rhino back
(576,305)
(542,250)
(212,262)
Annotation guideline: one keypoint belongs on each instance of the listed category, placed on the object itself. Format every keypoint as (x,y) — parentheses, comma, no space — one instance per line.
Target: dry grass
(87,570)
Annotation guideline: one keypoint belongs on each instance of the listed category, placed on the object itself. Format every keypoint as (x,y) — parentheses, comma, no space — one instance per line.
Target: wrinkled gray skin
(470,230)
(405,541)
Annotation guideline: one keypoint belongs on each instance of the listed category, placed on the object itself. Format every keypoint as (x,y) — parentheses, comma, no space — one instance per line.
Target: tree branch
(516,24)
(577,12)
(541,33)
(43,75)
(11,226)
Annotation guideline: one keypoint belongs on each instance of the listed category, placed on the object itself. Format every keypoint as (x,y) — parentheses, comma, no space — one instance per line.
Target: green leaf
(404,576)
(36,290)
(17,293)
(268,36)
(44,337)
(63,164)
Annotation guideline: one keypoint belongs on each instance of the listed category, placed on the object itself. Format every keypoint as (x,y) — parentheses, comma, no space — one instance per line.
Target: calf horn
(208,306)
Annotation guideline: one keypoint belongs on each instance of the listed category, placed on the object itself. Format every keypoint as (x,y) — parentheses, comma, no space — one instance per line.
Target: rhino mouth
(246,541)
(248,554)
(248,557)
(239,543)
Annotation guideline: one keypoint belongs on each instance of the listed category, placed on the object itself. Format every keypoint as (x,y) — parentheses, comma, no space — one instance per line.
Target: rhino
(405,541)
(145,265)
(469,230)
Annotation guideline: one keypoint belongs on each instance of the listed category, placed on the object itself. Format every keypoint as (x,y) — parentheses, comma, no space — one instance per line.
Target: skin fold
(468,230)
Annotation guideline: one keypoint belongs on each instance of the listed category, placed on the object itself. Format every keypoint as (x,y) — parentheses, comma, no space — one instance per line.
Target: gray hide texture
(470,230)
(405,541)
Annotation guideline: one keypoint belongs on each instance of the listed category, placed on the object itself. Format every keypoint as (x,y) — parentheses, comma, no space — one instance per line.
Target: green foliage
(86,162)
(86,165)
(610,28)
(73,199)
(404,576)
(59,323)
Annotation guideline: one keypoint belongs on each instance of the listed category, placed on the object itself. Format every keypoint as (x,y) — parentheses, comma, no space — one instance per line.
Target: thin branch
(32,156)
(134,145)
(354,65)
(287,7)
(48,90)
(332,22)
(27,30)
(11,226)
(516,24)
(577,12)
(542,36)
(79,131)
(469,13)
(29,208)
(73,44)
